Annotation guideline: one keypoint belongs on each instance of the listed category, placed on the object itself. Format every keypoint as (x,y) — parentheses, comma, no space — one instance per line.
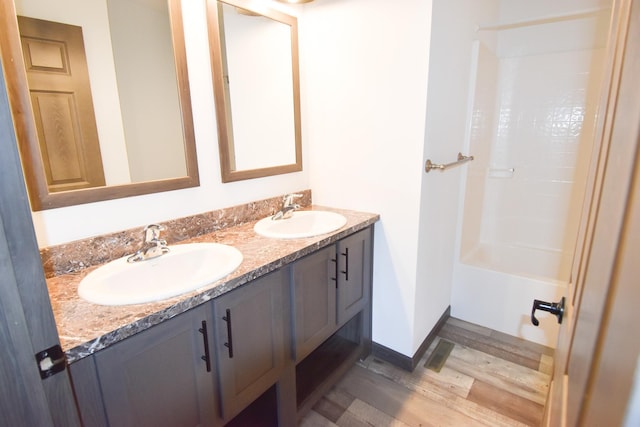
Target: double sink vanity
(248,325)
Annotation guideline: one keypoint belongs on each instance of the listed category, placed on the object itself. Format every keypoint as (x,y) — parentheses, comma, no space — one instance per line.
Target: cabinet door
(354,274)
(158,377)
(313,289)
(249,340)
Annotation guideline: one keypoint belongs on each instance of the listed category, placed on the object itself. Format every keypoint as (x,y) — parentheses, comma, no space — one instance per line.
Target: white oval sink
(301,224)
(185,268)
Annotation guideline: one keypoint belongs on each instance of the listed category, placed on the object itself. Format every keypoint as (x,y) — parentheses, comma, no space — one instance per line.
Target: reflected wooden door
(599,270)
(60,91)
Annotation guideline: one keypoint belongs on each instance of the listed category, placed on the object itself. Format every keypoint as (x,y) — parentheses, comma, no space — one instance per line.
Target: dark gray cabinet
(284,339)
(313,287)
(250,345)
(331,291)
(329,287)
(160,377)
(354,274)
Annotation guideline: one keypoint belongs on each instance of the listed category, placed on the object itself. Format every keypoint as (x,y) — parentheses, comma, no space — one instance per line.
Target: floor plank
(398,402)
(546,364)
(495,345)
(506,403)
(334,404)
(489,379)
(504,374)
(477,329)
(314,419)
(361,414)
(447,379)
(442,394)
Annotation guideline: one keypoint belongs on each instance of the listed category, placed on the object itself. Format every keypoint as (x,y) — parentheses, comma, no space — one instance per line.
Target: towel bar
(461,159)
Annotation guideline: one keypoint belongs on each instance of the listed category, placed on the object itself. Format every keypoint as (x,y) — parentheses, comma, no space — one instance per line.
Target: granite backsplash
(80,254)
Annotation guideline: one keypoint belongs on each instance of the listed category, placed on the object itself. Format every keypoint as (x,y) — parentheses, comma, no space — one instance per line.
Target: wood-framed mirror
(256,83)
(134,51)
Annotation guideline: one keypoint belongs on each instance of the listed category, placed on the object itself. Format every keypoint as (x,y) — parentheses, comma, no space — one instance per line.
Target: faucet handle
(152,232)
(289,198)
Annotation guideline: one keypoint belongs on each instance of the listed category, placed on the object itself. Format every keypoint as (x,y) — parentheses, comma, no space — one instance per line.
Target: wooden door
(354,274)
(60,90)
(159,377)
(27,325)
(250,347)
(314,297)
(602,246)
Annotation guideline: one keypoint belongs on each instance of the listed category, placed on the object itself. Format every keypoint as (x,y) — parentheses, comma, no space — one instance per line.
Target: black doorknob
(556,308)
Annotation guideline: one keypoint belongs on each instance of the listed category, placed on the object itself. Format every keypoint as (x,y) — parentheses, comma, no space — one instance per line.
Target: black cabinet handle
(229,343)
(346,261)
(205,338)
(555,308)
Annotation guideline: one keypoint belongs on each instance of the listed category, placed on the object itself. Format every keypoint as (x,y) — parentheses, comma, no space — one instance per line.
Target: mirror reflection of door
(60,93)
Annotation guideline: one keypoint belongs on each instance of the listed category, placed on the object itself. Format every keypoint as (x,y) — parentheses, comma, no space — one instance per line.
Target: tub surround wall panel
(483,74)
(545,132)
(532,109)
(513,295)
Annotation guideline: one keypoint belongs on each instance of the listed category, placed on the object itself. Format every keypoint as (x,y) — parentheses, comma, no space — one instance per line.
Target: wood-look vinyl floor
(489,379)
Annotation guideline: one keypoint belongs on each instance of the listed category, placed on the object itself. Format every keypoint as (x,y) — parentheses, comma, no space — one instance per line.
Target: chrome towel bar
(461,159)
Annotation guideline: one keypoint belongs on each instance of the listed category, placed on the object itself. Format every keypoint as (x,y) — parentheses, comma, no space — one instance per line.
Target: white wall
(364,78)
(62,225)
(446,135)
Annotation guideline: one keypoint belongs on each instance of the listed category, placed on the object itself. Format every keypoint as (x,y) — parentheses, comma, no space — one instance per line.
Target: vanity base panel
(261,413)
(324,367)
(86,389)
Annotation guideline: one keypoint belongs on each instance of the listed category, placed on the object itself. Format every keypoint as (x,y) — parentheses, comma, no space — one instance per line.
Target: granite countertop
(85,328)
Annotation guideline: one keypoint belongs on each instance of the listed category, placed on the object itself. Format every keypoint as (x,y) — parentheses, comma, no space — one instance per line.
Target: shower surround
(534,88)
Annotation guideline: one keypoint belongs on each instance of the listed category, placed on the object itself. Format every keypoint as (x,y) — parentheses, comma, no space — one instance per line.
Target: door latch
(555,308)
(51,361)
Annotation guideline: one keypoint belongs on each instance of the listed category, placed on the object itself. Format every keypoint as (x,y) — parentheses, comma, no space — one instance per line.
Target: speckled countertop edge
(85,328)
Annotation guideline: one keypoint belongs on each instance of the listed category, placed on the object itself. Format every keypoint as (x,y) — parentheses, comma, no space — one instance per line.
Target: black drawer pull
(229,343)
(205,338)
(346,262)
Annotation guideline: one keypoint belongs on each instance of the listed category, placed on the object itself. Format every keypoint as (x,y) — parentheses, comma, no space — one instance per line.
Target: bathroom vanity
(259,346)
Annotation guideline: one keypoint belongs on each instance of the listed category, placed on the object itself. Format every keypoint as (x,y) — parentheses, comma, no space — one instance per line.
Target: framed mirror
(120,128)
(254,61)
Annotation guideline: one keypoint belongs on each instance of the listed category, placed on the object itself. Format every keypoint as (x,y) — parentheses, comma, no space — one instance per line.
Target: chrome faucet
(288,207)
(153,246)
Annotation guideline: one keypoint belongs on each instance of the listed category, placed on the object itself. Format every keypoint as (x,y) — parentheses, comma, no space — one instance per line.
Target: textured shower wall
(543,110)
(533,111)
(544,132)
(480,134)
